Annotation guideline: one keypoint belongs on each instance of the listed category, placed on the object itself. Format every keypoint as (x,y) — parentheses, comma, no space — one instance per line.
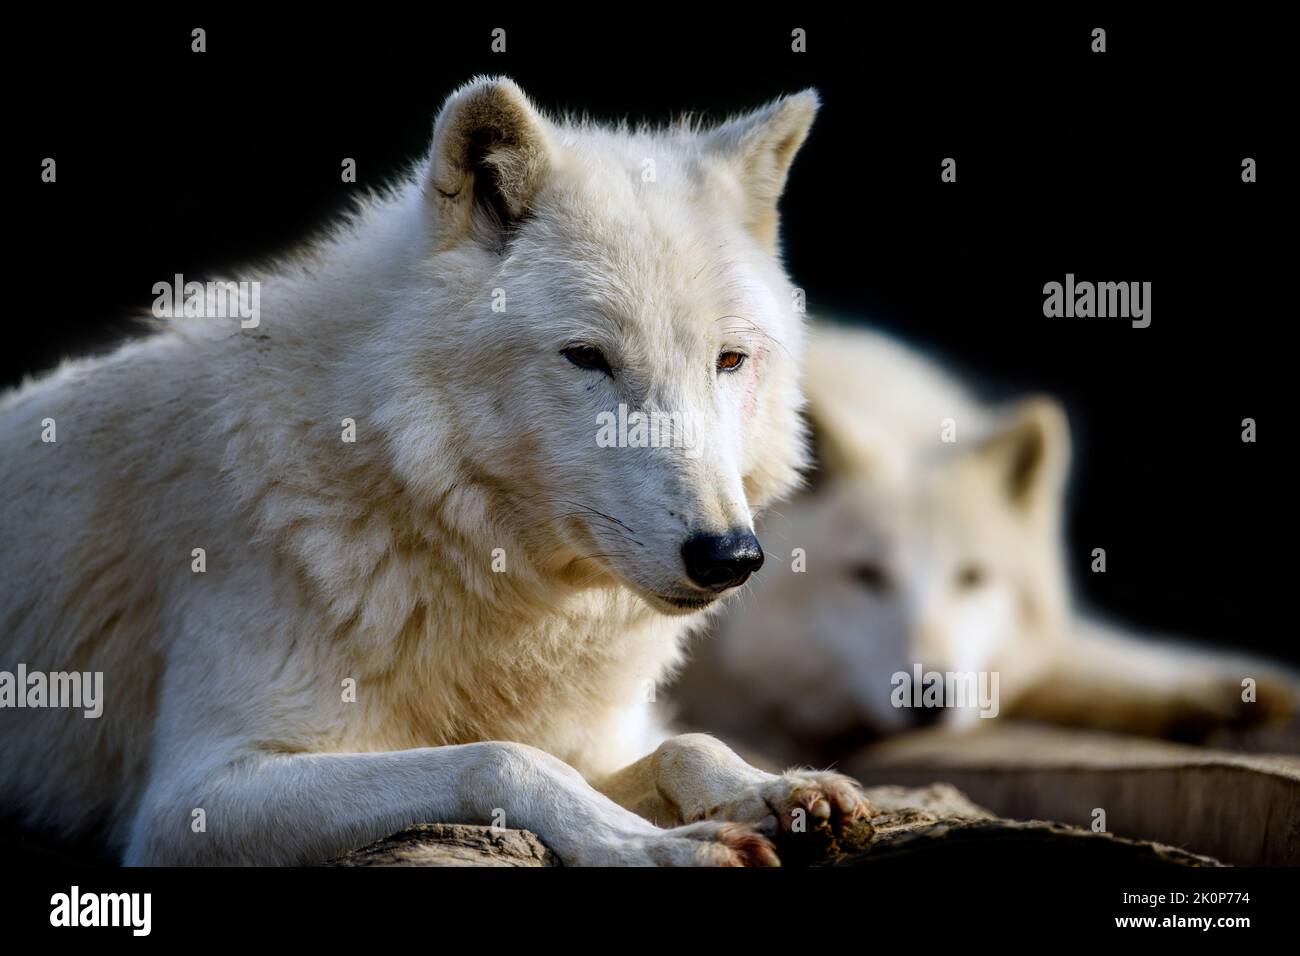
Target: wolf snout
(721,561)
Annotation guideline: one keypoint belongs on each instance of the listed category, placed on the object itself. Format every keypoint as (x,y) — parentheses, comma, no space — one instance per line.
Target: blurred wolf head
(932,537)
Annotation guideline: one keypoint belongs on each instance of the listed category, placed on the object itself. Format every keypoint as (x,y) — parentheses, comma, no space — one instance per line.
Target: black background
(1117,166)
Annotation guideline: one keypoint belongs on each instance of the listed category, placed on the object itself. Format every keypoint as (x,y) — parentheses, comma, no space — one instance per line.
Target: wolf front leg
(298,809)
(1108,680)
(694,777)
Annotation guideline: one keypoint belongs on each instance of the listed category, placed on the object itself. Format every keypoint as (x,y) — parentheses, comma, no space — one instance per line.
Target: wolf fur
(514,695)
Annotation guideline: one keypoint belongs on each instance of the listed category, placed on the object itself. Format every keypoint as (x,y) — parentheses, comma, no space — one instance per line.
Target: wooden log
(1240,808)
(916,825)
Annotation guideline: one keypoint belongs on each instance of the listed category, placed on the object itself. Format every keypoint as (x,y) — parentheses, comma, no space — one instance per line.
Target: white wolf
(457,615)
(947,554)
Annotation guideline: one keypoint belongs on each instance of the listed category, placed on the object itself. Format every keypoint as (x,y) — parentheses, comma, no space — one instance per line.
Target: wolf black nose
(721,561)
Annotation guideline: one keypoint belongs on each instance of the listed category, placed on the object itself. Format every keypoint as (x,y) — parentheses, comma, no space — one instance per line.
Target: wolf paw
(799,801)
(709,843)
(1212,709)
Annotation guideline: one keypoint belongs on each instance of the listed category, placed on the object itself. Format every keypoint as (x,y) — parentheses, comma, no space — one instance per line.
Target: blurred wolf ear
(760,148)
(491,150)
(845,445)
(1031,452)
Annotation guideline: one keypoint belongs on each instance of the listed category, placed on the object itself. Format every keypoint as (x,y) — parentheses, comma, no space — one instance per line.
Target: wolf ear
(491,149)
(844,445)
(1031,452)
(760,148)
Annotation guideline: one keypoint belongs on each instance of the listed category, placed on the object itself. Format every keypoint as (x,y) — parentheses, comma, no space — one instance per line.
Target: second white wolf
(949,554)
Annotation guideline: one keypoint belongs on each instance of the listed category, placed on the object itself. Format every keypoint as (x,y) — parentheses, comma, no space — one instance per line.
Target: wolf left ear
(760,148)
(491,150)
(848,445)
(1031,452)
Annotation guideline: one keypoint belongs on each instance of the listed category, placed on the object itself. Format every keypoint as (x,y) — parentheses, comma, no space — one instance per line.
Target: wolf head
(616,353)
(917,551)
(962,564)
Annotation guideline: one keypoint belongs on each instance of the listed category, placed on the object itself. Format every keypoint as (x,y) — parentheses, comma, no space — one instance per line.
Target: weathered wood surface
(910,826)
(448,844)
(1241,808)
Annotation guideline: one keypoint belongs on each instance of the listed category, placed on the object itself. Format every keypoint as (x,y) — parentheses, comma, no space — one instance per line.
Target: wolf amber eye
(588,356)
(730,361)
(970,576)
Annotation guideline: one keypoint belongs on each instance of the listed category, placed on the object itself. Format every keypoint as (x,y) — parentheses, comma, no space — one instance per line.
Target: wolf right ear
(1031,452)
(491,149)
(760,147)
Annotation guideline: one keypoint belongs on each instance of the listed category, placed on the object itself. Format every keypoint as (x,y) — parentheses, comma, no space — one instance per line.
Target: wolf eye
(870,576)
(588,356)
(730,361)
(970,576)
